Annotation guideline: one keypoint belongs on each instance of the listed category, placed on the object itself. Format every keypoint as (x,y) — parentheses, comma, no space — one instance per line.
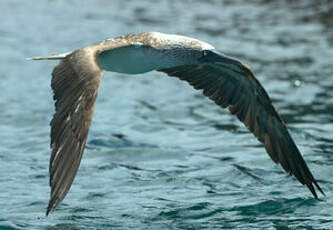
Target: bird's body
(225,80)
(146,53)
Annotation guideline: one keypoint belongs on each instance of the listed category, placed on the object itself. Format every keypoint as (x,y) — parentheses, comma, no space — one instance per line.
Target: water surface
(159,154)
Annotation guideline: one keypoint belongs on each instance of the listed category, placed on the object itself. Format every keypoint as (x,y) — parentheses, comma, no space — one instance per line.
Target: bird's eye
(205,56)
(205,52)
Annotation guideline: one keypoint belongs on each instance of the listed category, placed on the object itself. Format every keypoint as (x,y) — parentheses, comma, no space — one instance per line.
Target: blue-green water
(159,154)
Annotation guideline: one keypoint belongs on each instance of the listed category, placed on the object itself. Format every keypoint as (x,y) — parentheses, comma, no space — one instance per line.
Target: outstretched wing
(75,82)
(229,83)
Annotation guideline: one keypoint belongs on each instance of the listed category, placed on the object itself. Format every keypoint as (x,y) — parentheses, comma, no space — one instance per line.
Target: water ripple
(160,155)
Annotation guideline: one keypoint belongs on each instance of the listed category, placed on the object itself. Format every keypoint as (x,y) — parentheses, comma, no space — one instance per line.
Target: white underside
(137,59)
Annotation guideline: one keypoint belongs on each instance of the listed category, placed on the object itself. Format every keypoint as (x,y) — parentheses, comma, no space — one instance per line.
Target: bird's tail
(52,57)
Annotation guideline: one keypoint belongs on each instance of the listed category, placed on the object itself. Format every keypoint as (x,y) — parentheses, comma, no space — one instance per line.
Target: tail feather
(52,57)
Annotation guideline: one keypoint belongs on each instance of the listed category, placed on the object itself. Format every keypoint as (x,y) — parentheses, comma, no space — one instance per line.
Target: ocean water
(159,154)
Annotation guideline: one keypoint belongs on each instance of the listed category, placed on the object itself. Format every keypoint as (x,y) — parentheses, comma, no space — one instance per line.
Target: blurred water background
(159,154)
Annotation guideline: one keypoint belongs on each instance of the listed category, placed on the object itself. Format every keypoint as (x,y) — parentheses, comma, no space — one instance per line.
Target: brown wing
(75,82)
(231,84)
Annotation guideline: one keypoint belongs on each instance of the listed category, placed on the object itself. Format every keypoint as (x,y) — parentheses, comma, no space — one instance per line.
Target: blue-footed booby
(225,80)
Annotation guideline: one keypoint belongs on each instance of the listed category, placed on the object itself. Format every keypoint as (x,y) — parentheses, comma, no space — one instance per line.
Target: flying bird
(225,80)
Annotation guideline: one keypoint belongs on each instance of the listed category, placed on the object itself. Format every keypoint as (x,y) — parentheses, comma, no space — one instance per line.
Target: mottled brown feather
(75,83)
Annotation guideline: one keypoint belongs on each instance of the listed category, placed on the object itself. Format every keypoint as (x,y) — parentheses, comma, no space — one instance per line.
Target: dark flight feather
(229,83)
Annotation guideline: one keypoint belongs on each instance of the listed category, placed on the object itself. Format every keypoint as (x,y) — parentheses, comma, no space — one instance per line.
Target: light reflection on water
(159,154)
